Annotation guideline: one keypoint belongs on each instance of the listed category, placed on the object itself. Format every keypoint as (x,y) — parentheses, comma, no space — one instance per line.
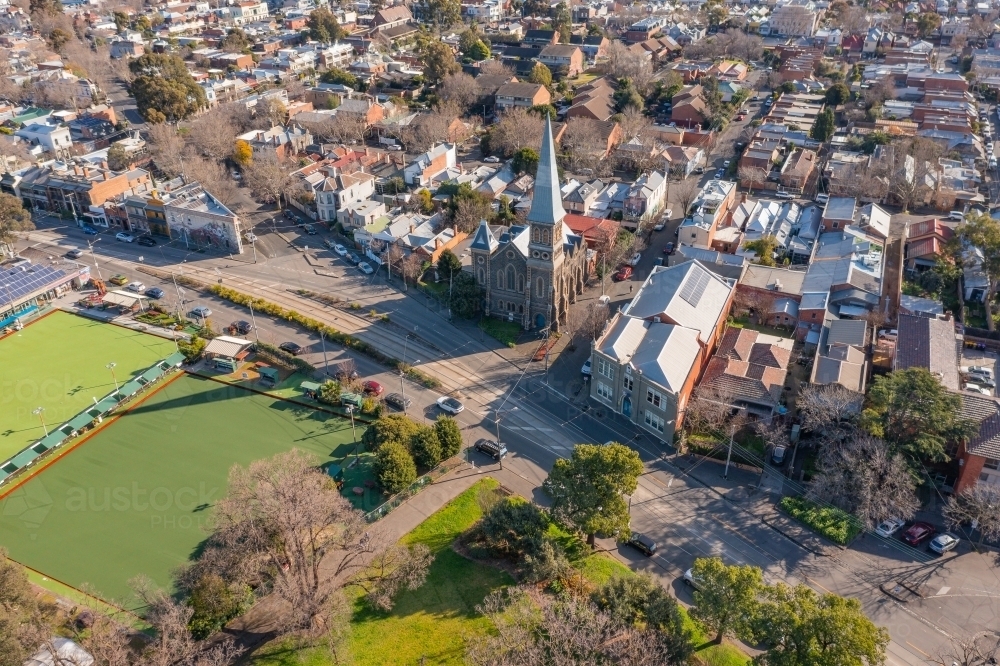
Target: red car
(668,248)
(917,532)
(624,273)
(373,387)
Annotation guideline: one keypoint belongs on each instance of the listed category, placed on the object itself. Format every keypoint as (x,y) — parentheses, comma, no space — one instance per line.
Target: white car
(365,268)
(634,261)
(394,148)
(667,214)
(124,237)
(889,527)
(586,368)
(251,237)
(340,250)
(450,405)
(137,287)
(726,164)
(689,579)
(977,370)
(492,159)
(201,311)
(942,543)
(976,388)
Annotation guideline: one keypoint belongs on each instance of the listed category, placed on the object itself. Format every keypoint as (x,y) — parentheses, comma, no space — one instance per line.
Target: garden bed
(836,525)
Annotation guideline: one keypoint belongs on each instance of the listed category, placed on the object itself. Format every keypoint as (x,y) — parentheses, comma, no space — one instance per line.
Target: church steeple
(546,206)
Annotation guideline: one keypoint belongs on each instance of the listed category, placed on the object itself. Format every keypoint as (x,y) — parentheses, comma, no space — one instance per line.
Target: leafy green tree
(448,265)
(764,248)
(323,26)
(562,22)
(13,218)
(544,110)
(983,232)
(425,201)
(838,94)
(525,161)
(47,7)
(824,126)
(164,88)
(426,448)
(513,528)
(640,601)
(588,489)
(330,391)
(466,296)
(337,75)
(439,62)
(471,45)
(480,51)
(802,628)
(442,14)
(236,41)
(58,39)
(118,158)
(192,349)
(927,23)
(394,467)
(874,139)
(915,414)
(391,428)
(121,21)
(726,599)
(215,603)
(449,435)
(541,75)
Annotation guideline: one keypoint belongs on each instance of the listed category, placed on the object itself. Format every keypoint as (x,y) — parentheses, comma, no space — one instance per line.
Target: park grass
(59,363)
(506,332)
(135,497)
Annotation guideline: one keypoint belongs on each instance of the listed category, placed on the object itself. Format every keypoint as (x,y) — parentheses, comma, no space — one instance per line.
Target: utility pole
(729,455)
(326,367)
(256,334)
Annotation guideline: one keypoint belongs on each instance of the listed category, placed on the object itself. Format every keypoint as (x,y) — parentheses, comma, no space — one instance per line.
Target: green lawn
(134,498)
(505,331)
(59,363)
(836,525)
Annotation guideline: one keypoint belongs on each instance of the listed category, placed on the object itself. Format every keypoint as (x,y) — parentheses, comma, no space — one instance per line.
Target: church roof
(484,239)
(546,205)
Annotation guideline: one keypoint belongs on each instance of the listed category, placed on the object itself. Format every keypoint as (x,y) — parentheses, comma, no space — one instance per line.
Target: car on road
(124,237)
(118,280)
(778,456)
(690,580)
(89,230)
(641,543)
(669,248)
(292,348)
(491,448)
(365,268)
(917,532)
(659,226)
(450,405)
(242,326)
(289,215)
(373,387)
(398,401)
(394,148)
(624,273)
(309,229)
(741,116)
(339,249)
(725,165)
(154,292)
(634,261)
(889,527)
(201,311)
(352,258)
(137,287)
(719,174)
(146,241)
(942,543)
(250,236)
(75,253)
(586,368)
(492,159)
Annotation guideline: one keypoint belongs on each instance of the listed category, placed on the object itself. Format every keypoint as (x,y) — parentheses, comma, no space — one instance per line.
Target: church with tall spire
(532,272)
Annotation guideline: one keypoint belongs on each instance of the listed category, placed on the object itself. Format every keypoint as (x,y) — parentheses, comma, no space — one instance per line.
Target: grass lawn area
(505,331)
(767,330)
(133,498)
(60,363)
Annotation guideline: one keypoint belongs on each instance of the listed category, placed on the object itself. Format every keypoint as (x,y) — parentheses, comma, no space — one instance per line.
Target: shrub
(192,350)
(513,528)
(391,428)
(836,525)
(394,467)
(329,392)
(215,603)
(450,436)
(426,448)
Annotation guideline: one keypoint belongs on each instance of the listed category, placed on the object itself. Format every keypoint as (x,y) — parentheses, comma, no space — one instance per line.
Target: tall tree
(802,628)
(824,126)
(323,26)
(979,505)
(638,600)
(837,94)
(164,88)
(588,489)
(540,74)
(449,434)
(442,14)
(13,218)
(439,62)
(983,232)
(726,597)
(912,411)
(448,265)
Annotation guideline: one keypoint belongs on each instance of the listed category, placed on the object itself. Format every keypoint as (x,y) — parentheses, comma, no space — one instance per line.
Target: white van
(956,215)
(888,334)
(822,198)
(784,195)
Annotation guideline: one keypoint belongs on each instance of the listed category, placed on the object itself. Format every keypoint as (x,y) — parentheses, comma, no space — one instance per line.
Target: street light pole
(38,412)
(354,433)
(111,367)
(729,455)
(94,257)
(253,320)
(326,366)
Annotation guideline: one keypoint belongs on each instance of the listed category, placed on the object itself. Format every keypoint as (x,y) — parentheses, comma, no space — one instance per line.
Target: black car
(292,348)
(241,326)
(154,292)
(289,215)
(353,258)
(398,401)
(491,448)
(148,241)
(642,543)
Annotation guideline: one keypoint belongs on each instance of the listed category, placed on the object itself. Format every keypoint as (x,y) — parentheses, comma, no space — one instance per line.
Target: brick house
(689,107)
(925,242)
(521,95)
(838,213)
(564,60)
(749,368)
(798,169)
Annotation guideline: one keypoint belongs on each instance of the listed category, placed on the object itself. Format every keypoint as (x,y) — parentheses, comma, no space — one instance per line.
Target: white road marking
(943,590)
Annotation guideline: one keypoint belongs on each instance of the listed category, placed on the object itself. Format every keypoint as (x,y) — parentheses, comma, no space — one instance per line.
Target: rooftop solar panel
(17,283)
(694,287)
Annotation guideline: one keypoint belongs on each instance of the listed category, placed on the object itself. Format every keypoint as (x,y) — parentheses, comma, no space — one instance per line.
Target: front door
(539,320)
(627,406)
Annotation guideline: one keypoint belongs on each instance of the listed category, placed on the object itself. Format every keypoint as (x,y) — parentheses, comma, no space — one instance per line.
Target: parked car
(659,226)
(492,159)
(289,215)
(976,388)
(339,249)
(493,449)
(250,236)
(89,230)
(373,387)
(669,248)
(118,280)
(624,273)
(365,268)
(309,229)
(398,401)
(725,165)
(822,198)
(641,543)
(75,253)
(450,405)
(146,241)
(292,348)
(778,456)
(242,326)
(890,334)
(201,311)
(586,368)
(154,292)
(352,258)
(942,543)
(917,532)
(137,287)
(634,261)
(976,370)
(889,527)
(394,147)
(719,174)
(690,580)
(124,237)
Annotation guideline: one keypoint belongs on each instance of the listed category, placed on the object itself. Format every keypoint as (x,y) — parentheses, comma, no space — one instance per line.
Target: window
(482,276)
(520,283)
(992,463)
(605,368)
(653,421)
(510,277)
(500,280)
(655,398)
(539,287)
(604,391)
(627,383)
(836,224)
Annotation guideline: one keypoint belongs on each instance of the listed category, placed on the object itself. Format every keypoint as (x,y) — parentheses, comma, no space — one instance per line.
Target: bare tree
(596,316)
(750,176)
(13,153)
(494,68)
(469,212)
(710,410)
(268,180)
(514,130)
(426,130)
(980,649)
(979,505)
(459,89)
(214,177)
(413,267)
(862,476)
(853,20)
(347,128)
(166,147)
(685,192)
(585,147)
(634,124)
(828,408)
(623,63)
(283,521)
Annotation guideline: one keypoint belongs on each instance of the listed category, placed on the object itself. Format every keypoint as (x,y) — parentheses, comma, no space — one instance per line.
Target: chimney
(86,172)
(76,170)
(104,164)
(107,176)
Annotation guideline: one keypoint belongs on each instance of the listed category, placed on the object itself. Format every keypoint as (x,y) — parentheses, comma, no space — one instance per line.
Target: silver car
(942,543)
